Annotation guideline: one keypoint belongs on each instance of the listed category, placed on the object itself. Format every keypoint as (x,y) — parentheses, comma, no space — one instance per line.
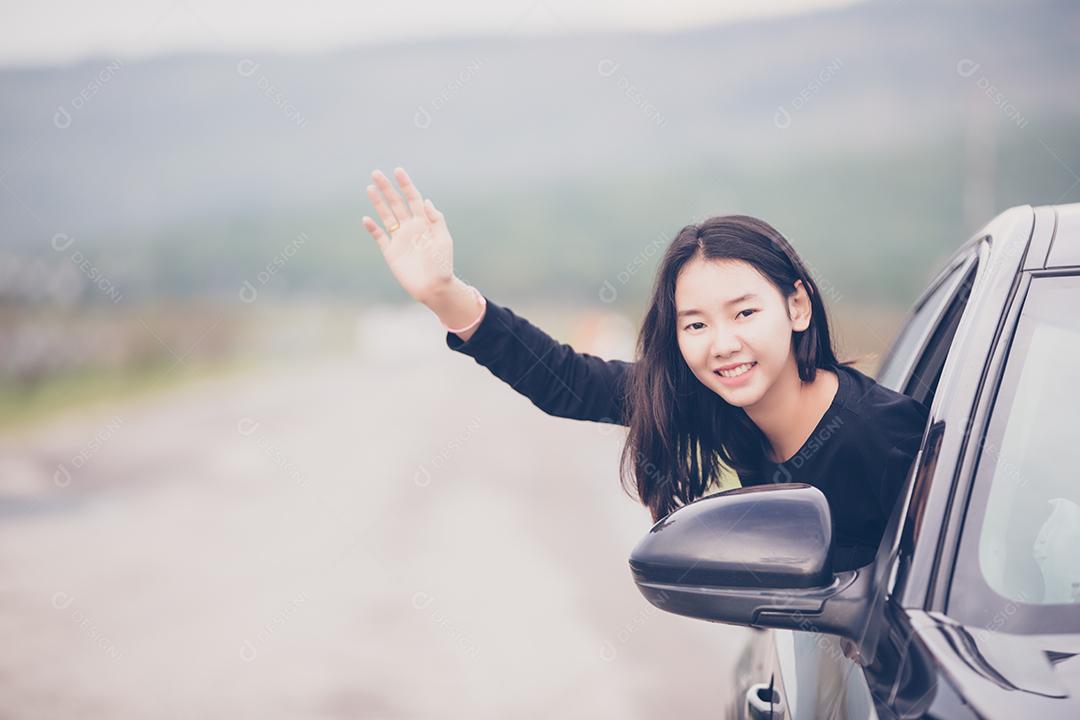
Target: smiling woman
(734,371)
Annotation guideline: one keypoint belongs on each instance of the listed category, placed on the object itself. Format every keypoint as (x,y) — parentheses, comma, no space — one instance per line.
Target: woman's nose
(725,344)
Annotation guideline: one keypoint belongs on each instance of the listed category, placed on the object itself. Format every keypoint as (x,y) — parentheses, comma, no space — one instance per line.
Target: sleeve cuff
(496,317)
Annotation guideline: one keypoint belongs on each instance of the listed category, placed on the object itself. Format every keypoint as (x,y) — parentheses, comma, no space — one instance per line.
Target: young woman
(735,370)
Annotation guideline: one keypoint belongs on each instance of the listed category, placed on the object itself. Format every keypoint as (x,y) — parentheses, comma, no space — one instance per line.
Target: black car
(971,608)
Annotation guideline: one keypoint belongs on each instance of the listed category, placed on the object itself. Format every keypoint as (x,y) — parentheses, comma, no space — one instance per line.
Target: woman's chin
(739,400)
(741,396)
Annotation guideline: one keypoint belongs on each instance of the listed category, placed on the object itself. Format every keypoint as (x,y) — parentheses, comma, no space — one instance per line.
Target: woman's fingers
(412,195)
(397,205)
(433,214)
(381,208)
(377,232)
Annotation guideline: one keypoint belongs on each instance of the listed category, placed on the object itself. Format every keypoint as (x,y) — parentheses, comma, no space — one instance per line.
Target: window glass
(909,343)
(1018,565)
(1029,542)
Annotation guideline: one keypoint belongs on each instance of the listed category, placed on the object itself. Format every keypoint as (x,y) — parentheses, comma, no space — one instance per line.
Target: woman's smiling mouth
(735,375)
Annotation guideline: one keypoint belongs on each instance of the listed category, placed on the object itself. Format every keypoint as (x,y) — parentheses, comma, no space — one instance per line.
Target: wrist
(466,331)
(459,306)
(446,295)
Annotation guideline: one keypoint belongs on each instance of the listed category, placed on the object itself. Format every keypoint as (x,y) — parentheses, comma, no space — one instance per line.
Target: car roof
(1058,245)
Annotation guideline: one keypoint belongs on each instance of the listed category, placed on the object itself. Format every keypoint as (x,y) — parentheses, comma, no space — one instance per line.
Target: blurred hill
(876,137)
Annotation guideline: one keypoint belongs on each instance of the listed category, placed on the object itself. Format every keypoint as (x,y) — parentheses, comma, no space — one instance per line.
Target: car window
(1021,539)
(913,365)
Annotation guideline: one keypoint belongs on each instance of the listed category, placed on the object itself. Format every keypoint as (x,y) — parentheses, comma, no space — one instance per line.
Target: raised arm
(419,250)
(556,378)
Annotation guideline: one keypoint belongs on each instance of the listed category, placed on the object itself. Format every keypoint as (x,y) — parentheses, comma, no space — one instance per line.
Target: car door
(1011,588)
(812,677)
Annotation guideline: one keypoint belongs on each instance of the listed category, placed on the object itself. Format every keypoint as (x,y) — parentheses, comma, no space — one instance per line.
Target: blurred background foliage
(876,136)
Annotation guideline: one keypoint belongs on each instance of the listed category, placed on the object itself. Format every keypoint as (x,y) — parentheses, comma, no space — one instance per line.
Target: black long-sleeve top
(858,455)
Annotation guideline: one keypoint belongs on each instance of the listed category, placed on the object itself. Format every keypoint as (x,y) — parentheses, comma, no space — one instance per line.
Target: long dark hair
(681,432)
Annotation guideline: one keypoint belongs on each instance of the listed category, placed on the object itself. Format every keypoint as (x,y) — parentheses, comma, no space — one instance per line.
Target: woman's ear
(799,309)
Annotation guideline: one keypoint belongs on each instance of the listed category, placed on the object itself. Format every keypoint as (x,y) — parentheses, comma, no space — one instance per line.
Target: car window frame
(965,270)
(951,277)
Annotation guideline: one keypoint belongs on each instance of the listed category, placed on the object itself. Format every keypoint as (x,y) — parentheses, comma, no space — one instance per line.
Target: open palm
(416,243)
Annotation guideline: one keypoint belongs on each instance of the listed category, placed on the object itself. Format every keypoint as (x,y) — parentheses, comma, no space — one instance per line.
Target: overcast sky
(59,31)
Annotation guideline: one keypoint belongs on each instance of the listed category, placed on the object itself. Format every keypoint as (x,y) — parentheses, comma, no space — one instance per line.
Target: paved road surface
(386,535)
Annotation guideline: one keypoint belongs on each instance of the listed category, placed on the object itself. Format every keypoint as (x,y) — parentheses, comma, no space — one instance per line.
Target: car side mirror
(756,556)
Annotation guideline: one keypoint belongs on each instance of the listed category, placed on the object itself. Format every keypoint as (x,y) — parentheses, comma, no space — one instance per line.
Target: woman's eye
(747,310)
(692,325)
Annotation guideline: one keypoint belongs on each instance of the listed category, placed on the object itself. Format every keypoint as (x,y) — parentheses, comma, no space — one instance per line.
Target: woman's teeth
(735,372)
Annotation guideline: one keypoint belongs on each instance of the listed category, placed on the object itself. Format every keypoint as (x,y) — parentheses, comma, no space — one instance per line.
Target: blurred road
(394,534)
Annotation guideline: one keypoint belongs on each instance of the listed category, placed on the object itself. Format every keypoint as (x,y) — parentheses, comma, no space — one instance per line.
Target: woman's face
(729,314)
